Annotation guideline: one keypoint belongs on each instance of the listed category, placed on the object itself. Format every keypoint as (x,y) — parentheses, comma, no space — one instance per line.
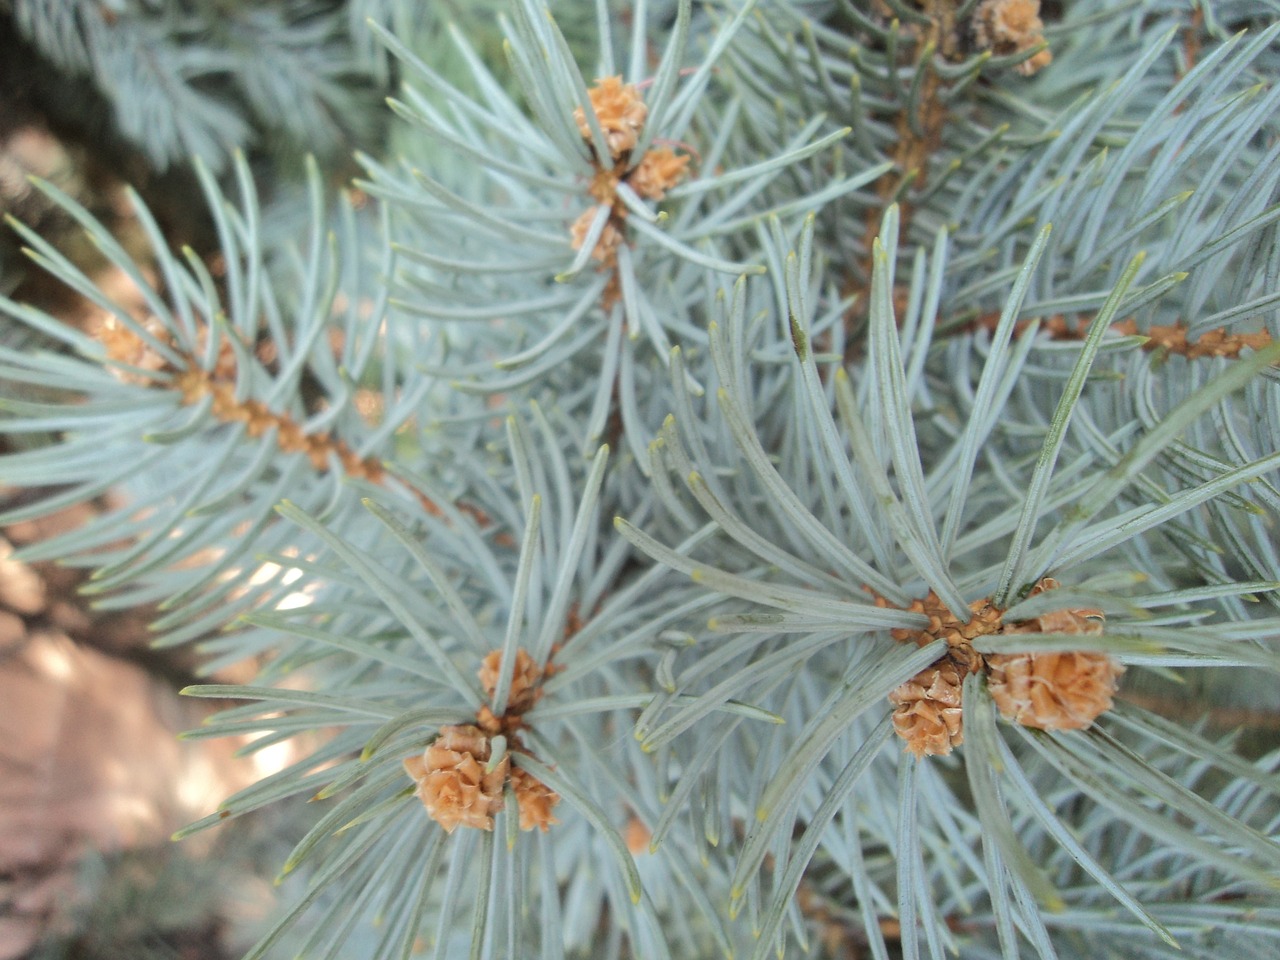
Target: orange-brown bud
(927,709)
(525,679)
(452,781)
(620,112)
(1011,26)
(1054,690)
(606,249)
(657,172)
(537,800)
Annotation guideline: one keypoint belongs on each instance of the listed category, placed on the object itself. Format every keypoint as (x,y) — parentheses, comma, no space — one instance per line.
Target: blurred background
(93,779)
(94,95)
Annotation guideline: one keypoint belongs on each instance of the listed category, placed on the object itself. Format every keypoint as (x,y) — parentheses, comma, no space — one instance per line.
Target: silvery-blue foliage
(704,483)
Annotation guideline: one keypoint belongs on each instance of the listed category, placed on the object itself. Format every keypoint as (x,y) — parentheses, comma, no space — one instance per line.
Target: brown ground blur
(93,780)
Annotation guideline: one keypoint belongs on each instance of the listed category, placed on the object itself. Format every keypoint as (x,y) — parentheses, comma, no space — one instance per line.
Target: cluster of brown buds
(194,383)
(1012,26)
(126,347)
(459,779)
(1174,338)
(1053,690)
(621,115)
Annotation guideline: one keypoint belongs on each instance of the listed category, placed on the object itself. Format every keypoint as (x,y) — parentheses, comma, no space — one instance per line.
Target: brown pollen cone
(1011,26)
(944,625)
(927,709)
(125,346)
(619,111)
(452,781)
(1054,690)
(606,249)
(1057,690)
(536,800)
(1051,690)
(657,172)
(526,678)
(621,115)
